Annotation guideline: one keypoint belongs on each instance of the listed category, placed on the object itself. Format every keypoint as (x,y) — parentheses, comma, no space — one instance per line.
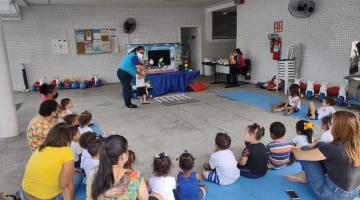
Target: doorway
(191,46)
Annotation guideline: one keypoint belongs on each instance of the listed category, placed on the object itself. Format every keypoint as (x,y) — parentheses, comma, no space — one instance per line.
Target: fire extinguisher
(275,46)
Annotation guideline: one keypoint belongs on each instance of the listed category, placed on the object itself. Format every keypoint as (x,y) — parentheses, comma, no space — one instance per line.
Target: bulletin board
(96,41)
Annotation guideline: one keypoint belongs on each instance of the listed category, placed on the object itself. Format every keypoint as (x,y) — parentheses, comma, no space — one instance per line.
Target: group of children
(294,105)
(224,169)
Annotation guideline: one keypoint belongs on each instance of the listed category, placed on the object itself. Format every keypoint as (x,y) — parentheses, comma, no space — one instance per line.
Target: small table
(216,74)
(232,72)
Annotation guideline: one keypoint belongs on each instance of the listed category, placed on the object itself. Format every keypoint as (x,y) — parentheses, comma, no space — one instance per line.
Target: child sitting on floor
(72,120)
(161,182)
(279,149)
(325,109)
(75,146)
(253,160)
(188,187)
(222,167)
(62,114)
(294,103)
(67,104)
(85,119)
(49,92)
(85,139)
(304,130)
(93,149)
(130,163)
(326,137)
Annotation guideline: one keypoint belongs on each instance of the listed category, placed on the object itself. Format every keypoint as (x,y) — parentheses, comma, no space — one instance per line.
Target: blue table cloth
(164,83)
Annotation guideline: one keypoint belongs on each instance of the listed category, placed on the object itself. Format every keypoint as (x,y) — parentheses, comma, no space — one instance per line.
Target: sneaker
(133,106)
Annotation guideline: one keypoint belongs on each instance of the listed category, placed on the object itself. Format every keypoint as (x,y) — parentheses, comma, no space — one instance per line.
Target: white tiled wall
(29,41)
(327,36)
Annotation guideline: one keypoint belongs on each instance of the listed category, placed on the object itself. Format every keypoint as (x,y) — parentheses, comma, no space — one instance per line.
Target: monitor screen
(157,54)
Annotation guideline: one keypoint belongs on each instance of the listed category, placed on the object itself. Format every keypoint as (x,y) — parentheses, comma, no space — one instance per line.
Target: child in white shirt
(327,136)
(85,119)
(294,103)
(85,139)
(325,109)
(304,129)
(141,87)
(161,182)
(93,149)
(75,146)
(67,104)
(222,167)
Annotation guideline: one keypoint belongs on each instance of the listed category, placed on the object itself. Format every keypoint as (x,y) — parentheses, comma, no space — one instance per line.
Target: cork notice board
(96,41)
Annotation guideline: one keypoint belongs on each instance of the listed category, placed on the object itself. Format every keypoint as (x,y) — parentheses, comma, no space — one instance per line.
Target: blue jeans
(125,79)
(22,196)
(320,183)
(77,183)
(78,179)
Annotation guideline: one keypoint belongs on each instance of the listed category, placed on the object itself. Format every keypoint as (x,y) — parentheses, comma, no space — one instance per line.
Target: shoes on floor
(132,106)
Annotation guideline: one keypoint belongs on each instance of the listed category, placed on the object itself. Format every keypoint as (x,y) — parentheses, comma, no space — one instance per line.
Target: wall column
(8,120)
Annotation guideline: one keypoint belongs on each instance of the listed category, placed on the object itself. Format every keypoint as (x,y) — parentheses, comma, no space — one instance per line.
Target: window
(224,25)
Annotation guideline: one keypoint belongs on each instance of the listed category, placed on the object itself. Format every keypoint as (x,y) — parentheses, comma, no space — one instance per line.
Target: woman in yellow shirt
(49,171)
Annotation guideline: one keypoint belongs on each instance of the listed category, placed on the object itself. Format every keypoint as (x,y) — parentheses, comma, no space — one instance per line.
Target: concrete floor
(150,129)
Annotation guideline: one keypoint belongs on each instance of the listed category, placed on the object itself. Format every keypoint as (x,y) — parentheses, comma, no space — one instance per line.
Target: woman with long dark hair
(127,71)
(50,169)
(340,179)
(111,180)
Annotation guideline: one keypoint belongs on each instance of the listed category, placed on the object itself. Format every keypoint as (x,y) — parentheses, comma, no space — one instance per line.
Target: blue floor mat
(263,101)
(271,186)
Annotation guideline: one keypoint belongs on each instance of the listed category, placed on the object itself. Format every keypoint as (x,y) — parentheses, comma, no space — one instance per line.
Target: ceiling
(155,3)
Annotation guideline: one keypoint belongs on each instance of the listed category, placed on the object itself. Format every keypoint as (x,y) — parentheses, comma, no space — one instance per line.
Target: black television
(155,55)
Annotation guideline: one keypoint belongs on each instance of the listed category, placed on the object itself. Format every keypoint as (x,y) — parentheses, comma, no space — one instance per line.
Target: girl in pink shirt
(50,92)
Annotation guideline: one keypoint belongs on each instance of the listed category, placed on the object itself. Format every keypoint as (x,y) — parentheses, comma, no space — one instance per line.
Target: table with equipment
(171,82)
(232,72)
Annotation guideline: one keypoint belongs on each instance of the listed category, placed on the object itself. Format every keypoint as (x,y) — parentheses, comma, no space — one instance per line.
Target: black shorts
(295,109)
(141,91)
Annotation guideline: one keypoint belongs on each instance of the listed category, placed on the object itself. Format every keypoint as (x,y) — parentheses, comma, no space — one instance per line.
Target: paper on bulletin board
(89,48)
(88,35)
(60,46)
(80,46)
(97,46)
(79,36)
(105,45)
(114,45)
(96,34)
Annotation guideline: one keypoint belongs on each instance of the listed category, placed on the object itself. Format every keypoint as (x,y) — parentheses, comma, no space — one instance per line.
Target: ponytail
(257,130)
(305,128)
(104,177)
(114,147)
(309,135)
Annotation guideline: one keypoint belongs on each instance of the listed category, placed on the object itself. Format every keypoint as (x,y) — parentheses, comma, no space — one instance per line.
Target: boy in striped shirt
(279,149)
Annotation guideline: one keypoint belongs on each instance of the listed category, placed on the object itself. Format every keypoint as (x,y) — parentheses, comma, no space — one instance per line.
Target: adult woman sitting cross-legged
(339,179)
(50,169)
(111,180)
